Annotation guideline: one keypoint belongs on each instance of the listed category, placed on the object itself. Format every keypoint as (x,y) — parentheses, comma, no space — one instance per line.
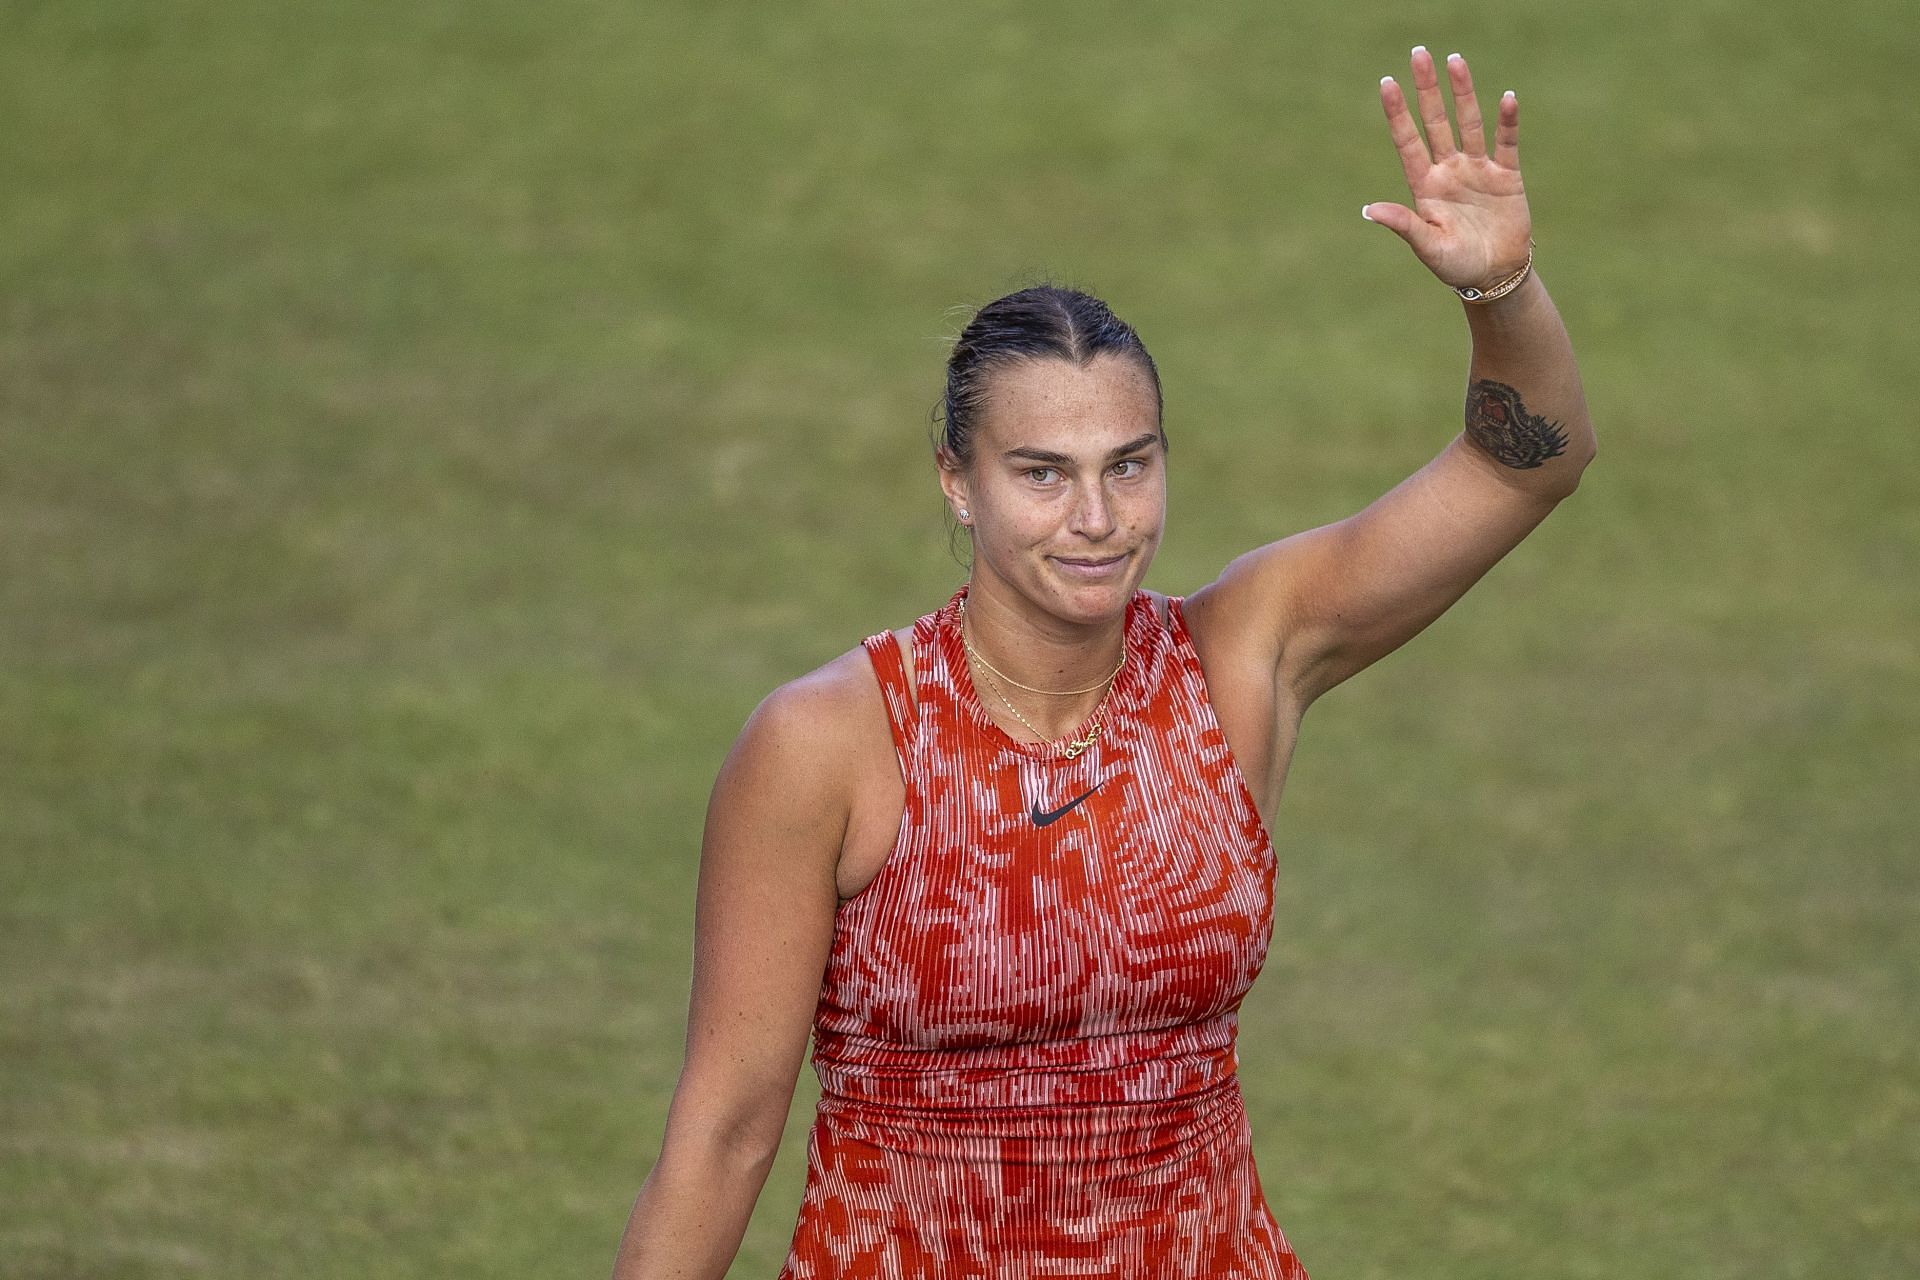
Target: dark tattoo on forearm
(1498,421)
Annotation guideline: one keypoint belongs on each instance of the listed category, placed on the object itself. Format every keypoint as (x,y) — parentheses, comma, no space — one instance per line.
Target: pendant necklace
(1070,748)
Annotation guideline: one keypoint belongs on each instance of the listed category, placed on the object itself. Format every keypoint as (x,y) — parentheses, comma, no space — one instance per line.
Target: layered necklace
(1071,747)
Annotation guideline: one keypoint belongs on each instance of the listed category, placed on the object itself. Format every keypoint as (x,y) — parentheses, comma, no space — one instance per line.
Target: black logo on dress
(1042,818)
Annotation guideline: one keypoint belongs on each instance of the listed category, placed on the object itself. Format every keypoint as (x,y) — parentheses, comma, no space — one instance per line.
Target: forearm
(1525,407)
(691,1213)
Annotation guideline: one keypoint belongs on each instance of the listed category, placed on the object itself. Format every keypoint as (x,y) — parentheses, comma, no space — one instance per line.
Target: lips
(1089,568)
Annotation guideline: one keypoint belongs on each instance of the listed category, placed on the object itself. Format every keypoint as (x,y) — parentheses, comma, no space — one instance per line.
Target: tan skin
(1064,495)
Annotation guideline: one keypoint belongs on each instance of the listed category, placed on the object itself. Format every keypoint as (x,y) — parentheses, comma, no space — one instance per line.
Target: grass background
(426,430)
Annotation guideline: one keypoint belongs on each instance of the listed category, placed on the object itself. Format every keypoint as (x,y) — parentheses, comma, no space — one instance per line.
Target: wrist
(1518,312)
(1501,286)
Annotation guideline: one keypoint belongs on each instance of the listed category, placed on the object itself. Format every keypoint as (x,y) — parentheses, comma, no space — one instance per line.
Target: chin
(1095,601)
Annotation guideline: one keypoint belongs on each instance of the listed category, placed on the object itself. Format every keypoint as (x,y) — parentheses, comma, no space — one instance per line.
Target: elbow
(741,1135)
(752,1143)
(1572,466)
(1582,462)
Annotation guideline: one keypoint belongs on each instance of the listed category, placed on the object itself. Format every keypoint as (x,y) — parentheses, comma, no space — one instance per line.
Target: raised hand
(1469,221)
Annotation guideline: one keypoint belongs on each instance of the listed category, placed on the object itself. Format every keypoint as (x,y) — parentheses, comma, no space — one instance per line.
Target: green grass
(427,430)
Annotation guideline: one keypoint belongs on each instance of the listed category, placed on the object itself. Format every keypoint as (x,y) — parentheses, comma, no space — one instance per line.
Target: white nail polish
(1365,214)
(1454,57)
(1419,48)
(1385,81)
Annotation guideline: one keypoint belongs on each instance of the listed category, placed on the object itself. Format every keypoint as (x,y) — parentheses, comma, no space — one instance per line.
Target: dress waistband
(1107,1135)
(1119,1068)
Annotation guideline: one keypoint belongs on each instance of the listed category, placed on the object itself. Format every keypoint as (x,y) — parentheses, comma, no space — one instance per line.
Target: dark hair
(1044,321)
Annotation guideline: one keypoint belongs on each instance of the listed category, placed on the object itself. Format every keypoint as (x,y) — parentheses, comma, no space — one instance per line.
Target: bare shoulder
(1253,584)
(814,778)
(1217,617)
(825,698)
(814,726)
(1250,619)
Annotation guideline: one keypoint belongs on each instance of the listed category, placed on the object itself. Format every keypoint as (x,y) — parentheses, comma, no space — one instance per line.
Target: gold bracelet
(1493,293)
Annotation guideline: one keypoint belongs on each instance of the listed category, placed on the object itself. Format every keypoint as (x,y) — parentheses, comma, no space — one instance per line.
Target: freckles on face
(1067,482)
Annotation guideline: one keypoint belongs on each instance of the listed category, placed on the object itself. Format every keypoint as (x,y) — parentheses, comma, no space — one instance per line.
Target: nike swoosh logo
(1042,818)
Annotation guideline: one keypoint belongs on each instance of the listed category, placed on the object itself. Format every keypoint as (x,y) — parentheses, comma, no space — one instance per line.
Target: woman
(1010,865)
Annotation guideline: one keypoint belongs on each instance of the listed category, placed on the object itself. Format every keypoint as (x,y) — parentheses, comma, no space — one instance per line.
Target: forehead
(1054,403)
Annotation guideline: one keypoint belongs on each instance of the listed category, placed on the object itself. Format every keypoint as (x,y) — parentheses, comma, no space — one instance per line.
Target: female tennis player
(1010,866)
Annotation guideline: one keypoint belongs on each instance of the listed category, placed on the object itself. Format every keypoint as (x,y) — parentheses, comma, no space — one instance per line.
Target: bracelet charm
(1494,292)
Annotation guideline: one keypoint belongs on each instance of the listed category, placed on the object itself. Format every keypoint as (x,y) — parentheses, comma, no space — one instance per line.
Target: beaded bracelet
(1493,293)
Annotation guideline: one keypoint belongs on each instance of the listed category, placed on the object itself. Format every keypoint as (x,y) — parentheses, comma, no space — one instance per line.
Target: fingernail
(1419,48)
(1364,213)
(1385,81)
(1511,94)
(1454,57)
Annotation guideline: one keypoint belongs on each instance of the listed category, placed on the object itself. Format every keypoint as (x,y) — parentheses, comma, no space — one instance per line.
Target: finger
(1433,108)
(1406,136)
(1400,220)
(1506,133)
(1473,131)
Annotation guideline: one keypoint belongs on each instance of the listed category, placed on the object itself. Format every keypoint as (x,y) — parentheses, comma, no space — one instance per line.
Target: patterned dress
(1025,1036)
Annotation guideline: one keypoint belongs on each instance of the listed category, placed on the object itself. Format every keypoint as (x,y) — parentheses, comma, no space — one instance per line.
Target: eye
(1128,468)
(1042,475)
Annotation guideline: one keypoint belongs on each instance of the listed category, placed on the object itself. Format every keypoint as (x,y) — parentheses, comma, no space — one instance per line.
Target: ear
(953,483)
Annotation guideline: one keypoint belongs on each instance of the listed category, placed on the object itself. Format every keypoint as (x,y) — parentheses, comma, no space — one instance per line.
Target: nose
(1092,516)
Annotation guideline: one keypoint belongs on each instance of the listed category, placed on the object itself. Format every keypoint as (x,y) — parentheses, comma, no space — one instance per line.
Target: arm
(1316,608)
(763,924)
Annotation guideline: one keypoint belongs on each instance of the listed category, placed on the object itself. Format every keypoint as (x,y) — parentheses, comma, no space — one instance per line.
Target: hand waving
(1469,222)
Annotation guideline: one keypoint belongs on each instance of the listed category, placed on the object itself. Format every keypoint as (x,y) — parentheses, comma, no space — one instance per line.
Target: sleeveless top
(1025,1035)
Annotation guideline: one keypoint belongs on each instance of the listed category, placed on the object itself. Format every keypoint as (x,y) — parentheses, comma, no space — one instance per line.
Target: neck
(1043,651)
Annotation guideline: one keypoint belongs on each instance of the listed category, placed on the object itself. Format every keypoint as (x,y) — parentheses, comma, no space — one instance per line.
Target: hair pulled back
(1040,322)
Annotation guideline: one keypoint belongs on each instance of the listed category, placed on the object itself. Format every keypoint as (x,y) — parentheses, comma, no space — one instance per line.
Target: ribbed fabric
(1025,1036)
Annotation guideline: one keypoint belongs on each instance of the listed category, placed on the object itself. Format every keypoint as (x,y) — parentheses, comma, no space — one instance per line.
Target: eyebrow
(1061,459)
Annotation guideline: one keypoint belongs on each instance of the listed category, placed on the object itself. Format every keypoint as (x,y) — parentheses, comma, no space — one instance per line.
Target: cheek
(1020,518)
(1027,528)
(1146,508)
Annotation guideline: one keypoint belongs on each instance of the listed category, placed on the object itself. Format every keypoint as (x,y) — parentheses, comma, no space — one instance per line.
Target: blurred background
(427,430)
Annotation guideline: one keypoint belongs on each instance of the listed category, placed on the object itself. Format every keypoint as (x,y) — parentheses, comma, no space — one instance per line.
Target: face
(1067,489)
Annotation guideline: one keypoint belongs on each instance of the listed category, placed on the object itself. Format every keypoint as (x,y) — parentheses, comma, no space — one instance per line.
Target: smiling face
(1066,491)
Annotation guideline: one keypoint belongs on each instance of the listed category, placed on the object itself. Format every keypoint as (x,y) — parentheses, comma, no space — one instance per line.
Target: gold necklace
(1070,749)
(1045,693)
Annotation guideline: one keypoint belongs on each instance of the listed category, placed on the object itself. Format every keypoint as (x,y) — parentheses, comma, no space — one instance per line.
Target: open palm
(1469,221)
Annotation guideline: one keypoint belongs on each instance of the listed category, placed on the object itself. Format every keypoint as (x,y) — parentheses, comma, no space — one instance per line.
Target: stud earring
(963,515)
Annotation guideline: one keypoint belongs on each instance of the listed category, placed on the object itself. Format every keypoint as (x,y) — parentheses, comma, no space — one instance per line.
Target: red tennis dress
(1025,1036)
